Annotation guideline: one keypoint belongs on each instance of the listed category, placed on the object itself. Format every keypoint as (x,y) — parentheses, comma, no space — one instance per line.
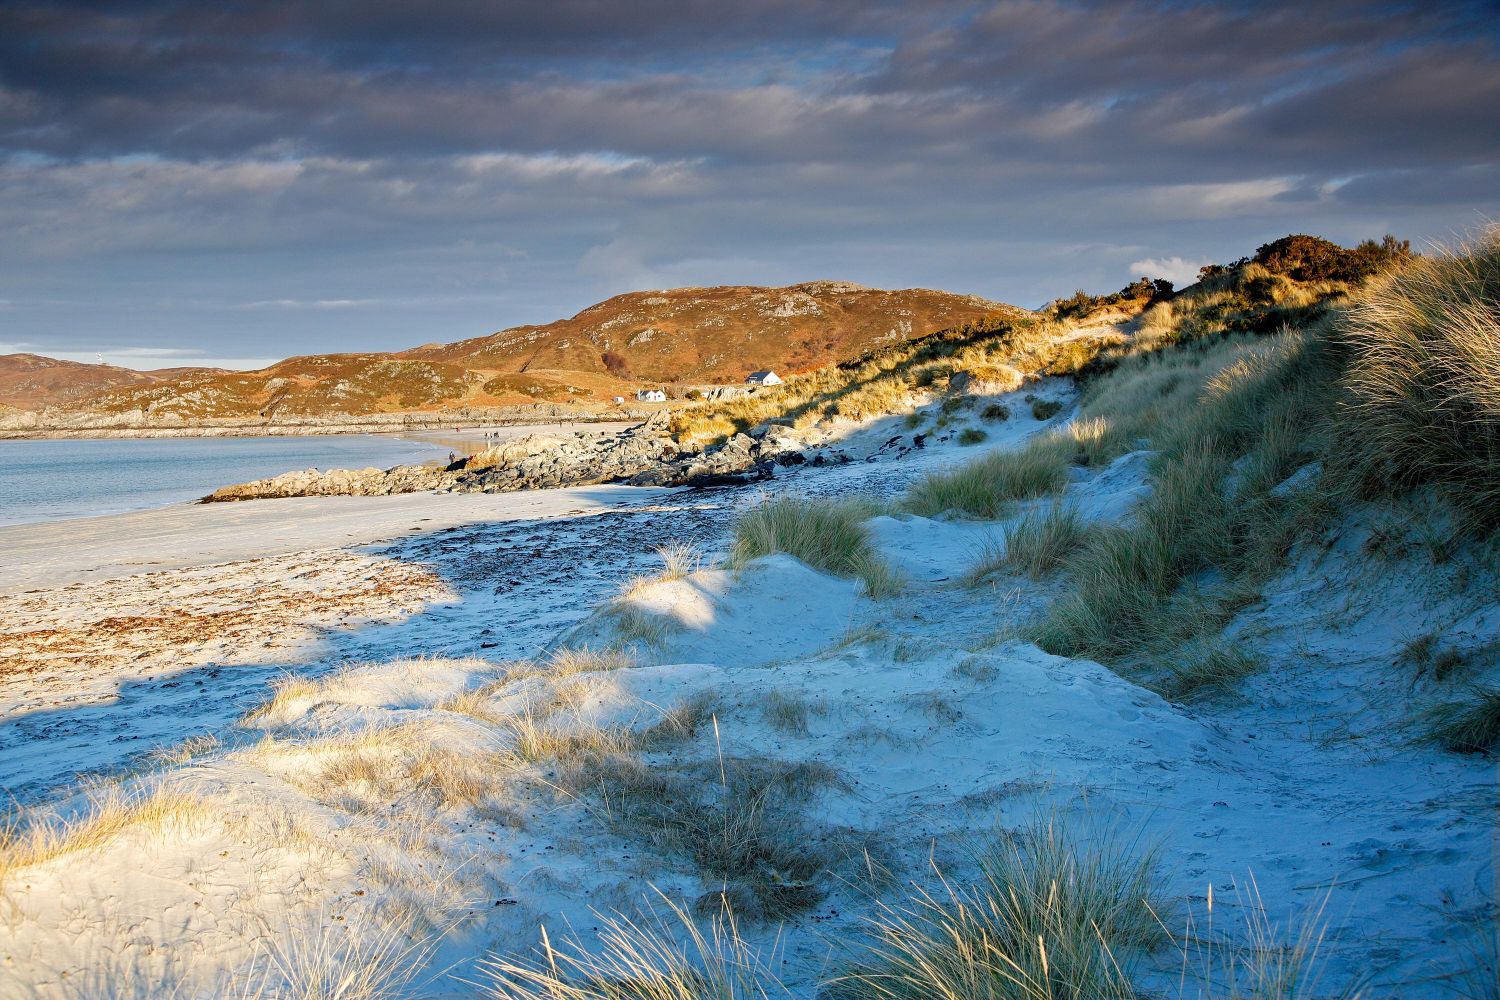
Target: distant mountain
(33,382)
(684,335)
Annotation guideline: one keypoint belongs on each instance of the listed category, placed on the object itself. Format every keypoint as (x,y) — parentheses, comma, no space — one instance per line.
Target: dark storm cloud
(527,157)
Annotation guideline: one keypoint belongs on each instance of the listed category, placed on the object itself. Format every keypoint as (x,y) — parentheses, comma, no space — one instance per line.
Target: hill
(720,334)
(677,336)
(34,382)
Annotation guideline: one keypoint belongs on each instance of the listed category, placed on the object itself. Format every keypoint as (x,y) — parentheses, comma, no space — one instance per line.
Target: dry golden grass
(895,378)
(570,662)
(366,771)
(286,691)
(36,836)
(327,959)
(1259,959)
(187,750)
(477,702)
(538,738)
(642,960)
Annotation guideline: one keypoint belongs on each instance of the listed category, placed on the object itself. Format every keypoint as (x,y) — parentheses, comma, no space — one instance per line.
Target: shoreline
(184,535)
(437,446)
(394,424)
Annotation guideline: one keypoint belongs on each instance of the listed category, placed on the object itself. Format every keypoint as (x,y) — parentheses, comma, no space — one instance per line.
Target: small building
(763,378)
(617,400)
(651,396)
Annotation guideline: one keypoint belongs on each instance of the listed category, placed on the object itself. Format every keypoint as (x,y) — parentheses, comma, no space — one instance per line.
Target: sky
(232,183)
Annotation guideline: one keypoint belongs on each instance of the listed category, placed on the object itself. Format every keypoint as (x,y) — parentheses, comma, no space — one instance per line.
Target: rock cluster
(643,455)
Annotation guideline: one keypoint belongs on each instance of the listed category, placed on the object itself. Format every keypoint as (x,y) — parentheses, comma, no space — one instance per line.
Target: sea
(57,480)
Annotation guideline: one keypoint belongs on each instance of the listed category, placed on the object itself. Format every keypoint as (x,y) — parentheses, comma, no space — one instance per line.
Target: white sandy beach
(916,721)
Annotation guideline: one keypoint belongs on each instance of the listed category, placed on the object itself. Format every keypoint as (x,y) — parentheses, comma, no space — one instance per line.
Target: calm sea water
(52,480)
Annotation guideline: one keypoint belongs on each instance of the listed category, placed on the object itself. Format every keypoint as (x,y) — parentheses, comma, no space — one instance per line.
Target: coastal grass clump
(1214,508)
(1422,387)
(1468,726)
(1215,669)
(1039,542)
(740,823)
(1053,914)
(30,837)
(571,661)
(1256,957)
(790,711)
(662,956)
(827,535)
(988,487)
(972,435)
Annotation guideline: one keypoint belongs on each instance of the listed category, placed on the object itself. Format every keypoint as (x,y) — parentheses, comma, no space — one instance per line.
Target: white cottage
(651,396)
(763,378)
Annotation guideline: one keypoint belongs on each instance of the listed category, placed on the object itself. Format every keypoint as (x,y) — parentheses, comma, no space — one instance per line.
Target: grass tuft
(1052,915)
(571,662)
(1422,400)
(827,536)
(641,960)
(1038,543)
(33,837)
(1218,669)
(988,486)
(1469,726)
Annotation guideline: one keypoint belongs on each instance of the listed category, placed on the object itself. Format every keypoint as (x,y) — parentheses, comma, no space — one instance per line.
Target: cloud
(1180,271)
(293,176)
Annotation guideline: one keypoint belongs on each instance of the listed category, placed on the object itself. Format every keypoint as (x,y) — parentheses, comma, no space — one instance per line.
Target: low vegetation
(1038,543)
(1471,725)
(1053,914)
(893,379)
(987,488)
(830,537)
(972,435)
(33,837)
(1240,383)
(1310,258)
(642,960)
(1421,403)
(1219,667)
(1133,297)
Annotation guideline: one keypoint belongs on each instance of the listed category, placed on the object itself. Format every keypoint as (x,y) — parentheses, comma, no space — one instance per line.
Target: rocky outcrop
(643,455)
(340,483)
